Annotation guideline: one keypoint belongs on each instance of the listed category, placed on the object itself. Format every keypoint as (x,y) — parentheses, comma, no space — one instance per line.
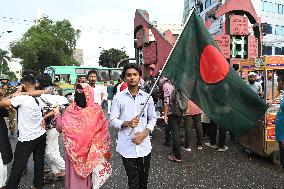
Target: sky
(104,24)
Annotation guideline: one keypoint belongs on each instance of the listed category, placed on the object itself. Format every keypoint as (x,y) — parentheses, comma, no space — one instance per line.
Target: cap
(252,74)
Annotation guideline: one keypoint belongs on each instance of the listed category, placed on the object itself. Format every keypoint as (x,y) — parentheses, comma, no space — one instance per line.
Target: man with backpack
(175,104)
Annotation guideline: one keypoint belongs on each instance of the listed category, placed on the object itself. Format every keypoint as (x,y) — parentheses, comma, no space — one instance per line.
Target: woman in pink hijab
(86,137)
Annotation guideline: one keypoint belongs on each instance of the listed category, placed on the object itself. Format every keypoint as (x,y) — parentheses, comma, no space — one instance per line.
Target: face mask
(80,99)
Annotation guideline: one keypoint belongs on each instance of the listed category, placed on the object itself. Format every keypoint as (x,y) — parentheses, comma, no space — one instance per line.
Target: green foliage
(4,69)
(110,58)
(46,44)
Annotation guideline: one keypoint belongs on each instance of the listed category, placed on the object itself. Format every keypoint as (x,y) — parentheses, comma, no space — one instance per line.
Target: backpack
(178,103)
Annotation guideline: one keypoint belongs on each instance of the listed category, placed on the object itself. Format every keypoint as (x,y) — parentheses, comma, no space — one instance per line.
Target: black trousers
(189,121)
(173,122)
(21,156)
(137,170)
(168,134)
(213,133)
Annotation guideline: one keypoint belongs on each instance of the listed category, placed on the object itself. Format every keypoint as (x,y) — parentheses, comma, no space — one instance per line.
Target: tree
(46,44)
(4,69)
(110,58)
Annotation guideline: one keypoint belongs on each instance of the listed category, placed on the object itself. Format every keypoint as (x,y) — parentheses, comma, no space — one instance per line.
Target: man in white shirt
(32,137)
(254,85)
(133,142)
(100,92)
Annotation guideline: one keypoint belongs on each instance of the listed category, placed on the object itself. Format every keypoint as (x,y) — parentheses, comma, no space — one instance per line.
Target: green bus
(67,76)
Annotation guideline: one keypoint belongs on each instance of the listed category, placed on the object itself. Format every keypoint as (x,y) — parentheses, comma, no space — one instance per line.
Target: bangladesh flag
(197,67)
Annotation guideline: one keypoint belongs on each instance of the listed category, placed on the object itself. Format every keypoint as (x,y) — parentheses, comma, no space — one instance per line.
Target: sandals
(174,159)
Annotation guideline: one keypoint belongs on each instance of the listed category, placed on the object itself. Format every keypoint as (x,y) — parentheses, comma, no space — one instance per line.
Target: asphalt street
(204,168)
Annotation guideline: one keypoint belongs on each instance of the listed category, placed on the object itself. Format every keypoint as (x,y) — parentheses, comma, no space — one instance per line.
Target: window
(267,6)
(279,30)
(280,9)
(279,51)
(267,50)
(207,3)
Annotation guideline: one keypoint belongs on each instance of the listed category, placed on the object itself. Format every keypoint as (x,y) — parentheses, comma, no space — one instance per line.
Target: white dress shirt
(125,108)
(100,93)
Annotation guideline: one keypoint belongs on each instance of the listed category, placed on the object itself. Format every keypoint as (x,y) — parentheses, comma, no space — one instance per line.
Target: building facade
(270,13)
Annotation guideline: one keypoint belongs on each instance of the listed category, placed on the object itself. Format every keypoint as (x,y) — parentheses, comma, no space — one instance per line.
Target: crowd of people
(42,114)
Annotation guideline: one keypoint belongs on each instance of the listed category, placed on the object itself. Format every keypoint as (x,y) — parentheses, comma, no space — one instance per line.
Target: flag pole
(161,71)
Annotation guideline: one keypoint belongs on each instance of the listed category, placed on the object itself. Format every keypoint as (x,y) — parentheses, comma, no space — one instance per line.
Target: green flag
(197,67)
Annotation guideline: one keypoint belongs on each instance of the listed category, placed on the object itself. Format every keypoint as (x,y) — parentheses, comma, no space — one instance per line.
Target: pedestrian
(32,137)
(279,132)
(86,138)
(205,121)
(167,89)
(110,94)
(213,136)
(81,79)
(105,97)
(115,88)
(8,90)
(100,92)
(6,154)
(52,153)
(254,85)
(173,120)
(133,142)
(193,118)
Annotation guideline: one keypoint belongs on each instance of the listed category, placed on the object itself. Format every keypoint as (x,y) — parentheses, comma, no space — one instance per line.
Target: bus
(67,76)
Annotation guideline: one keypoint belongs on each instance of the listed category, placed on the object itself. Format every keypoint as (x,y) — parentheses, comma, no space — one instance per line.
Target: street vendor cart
(261,139)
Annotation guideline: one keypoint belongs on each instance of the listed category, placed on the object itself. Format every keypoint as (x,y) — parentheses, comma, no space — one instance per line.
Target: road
(204,168)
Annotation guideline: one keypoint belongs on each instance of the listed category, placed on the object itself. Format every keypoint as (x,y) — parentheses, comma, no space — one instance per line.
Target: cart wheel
(275,157)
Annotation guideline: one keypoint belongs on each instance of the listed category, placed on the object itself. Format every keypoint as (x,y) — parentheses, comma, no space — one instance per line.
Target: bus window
(115,74)
(102,75)
(56,78)
(62,78)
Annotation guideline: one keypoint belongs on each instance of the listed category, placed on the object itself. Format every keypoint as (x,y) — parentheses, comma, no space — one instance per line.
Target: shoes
(174,159)
(214,146)
(46,170)
(187,149)
(225,148)
(199,147)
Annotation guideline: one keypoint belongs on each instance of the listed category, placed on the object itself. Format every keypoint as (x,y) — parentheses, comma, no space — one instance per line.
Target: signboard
(252,47)
(223,41)
(238,25)
(270,128)
(252,64)
(270,133)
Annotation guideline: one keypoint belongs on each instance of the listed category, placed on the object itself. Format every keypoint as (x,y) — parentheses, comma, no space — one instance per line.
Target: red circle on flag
(213,66)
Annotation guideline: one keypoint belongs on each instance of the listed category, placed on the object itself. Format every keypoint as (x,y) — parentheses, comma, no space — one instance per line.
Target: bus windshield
(70,74)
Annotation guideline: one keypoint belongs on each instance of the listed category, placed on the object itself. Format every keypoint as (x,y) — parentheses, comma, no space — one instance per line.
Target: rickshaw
(261,139)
